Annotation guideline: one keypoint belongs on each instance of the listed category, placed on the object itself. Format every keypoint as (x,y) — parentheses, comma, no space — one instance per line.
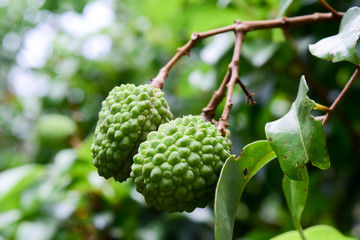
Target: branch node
(250,100)
(221,127)
(335,13)
(284,21)
(195,36)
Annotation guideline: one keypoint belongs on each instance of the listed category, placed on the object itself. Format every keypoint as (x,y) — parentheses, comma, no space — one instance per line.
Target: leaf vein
(301,135)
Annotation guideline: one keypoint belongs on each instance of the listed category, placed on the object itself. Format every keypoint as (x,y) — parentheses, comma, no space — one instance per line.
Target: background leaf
(318,232)
(14,181)
(284,5)
(296,194)
(64,56)
(298,138)
(236,173)
(342,46)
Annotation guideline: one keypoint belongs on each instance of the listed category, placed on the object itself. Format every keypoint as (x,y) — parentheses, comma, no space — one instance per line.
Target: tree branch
(341,95)
(330,9)
(234,78)
(208,112)
(244,27)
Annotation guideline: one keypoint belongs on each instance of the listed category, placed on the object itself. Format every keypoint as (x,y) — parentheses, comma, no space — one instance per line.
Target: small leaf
(284,5)
(235,174)
(342,46)
(318,232)
(298,137)
(295,194)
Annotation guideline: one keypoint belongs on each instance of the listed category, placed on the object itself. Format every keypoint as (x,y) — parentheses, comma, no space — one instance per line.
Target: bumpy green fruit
(178,166)
(127,115)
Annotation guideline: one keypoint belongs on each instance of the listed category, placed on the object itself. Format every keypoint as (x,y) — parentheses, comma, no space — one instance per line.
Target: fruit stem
(322,108)
(233,79)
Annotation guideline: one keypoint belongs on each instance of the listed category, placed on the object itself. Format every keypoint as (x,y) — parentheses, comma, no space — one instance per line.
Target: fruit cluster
(175,163)
(127,115)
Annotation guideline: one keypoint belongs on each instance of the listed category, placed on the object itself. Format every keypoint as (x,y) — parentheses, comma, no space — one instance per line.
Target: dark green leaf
(235,174)
(295,194)
(298,138)
(342,46)
(318,232)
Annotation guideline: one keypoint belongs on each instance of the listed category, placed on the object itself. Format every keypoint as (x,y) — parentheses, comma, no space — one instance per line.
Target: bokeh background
(60,58)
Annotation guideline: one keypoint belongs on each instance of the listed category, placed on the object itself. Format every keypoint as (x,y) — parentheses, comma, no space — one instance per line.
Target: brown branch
(158,81)
(244,27)
(330,9)
(341,95)
(234,78)
(249,95)
(208,112)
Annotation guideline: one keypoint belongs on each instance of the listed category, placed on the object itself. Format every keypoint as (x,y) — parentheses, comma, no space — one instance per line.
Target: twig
(330,9)
(341,95)
(209,111)
(158,81)
(244,27)
(234,78)
(249,95)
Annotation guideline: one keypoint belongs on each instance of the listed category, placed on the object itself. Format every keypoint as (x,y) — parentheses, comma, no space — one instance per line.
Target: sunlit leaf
(298,138)
(259,52)
(342,46)
(9,217)
(236,173)
(296,194)
(14,181)
(284,5)
(39,230)
(318,232)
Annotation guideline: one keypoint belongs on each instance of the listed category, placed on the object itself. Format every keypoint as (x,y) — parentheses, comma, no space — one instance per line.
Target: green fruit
(127,115)
(55,129)
(178,166)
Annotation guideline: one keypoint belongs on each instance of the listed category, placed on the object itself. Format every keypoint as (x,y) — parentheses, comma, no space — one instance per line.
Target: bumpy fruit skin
(178,166)
(127,115)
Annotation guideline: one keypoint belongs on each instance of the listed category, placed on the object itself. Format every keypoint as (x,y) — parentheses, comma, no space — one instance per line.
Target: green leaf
(318,232)
(295,194)
(259,52)
(298,137)
(284,5)
(342,46)
(236,173)
(13,182)
(40,229)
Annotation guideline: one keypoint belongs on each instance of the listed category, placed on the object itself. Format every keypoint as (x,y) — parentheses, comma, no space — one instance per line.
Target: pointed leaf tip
(297,137)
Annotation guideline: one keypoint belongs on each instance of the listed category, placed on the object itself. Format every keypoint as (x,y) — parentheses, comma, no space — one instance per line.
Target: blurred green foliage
(63,57)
